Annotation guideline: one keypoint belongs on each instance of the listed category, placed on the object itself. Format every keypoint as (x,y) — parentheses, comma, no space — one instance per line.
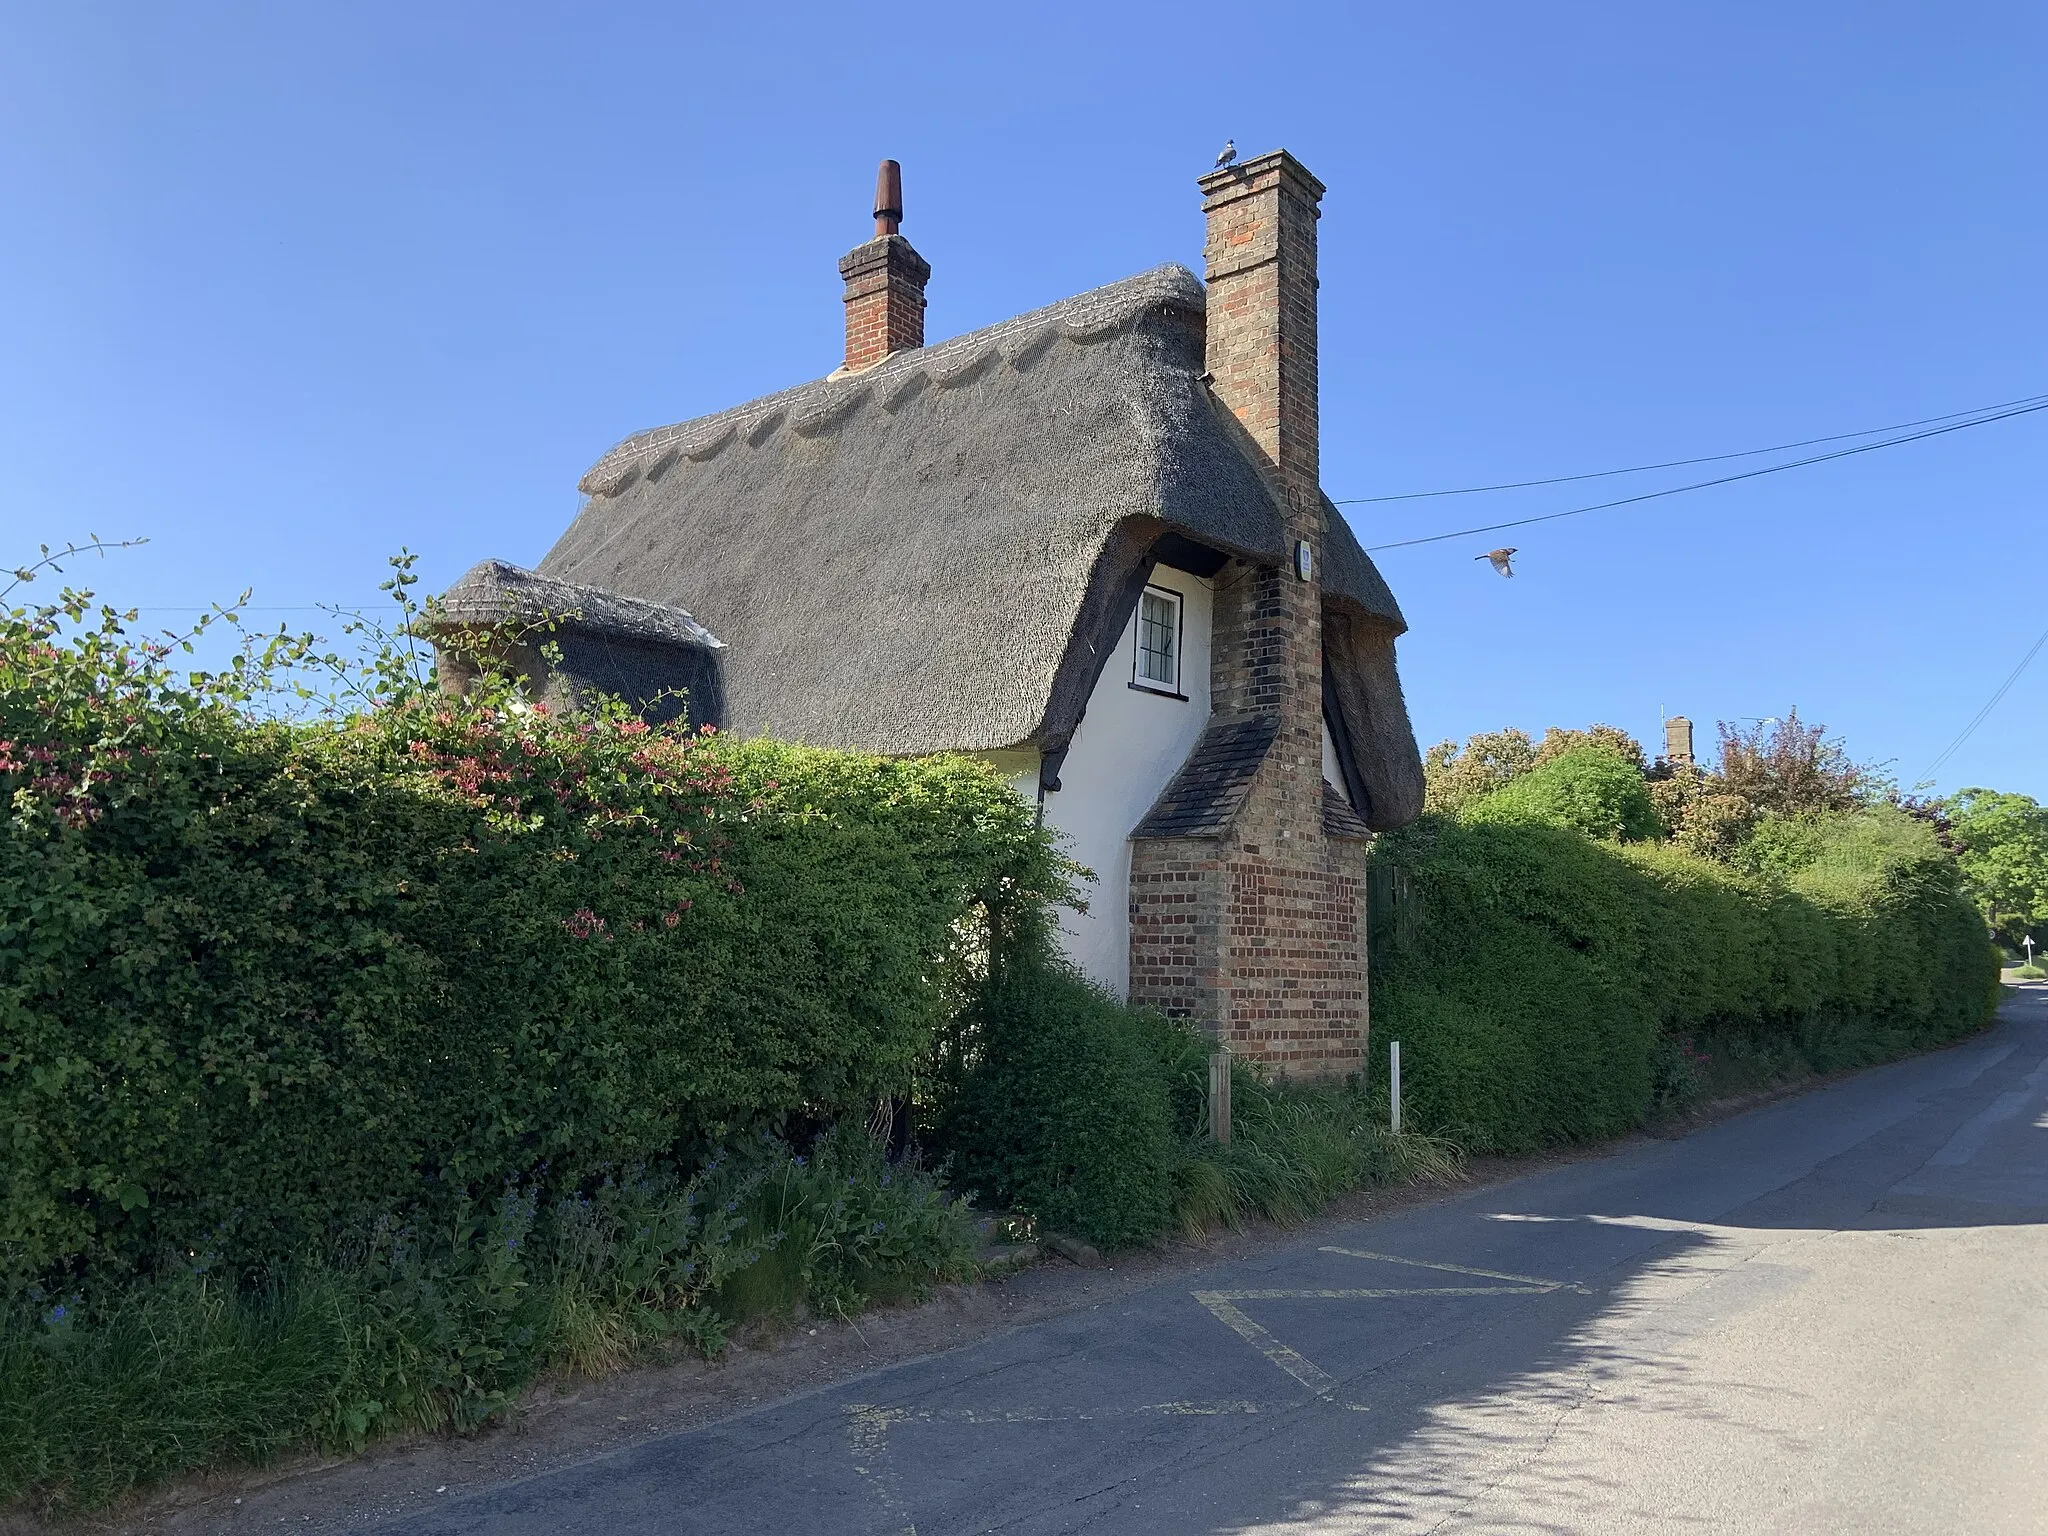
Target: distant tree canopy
(1456,776)
(2001,841)
(1789,768)
(1590,788)
(1778,774)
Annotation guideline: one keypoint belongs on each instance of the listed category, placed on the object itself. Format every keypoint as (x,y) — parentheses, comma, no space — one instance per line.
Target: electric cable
(1712,458)
(1983,714)
(1701,485)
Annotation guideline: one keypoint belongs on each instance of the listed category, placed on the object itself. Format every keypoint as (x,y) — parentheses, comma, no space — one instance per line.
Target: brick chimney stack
(1261,257)
(884,283)
(1260,254)
(1258,934)
(1678,740)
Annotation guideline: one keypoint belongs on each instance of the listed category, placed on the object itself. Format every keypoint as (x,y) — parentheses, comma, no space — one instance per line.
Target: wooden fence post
(1219,1095)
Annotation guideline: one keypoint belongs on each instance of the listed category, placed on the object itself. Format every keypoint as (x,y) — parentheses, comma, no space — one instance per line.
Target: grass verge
(1292,1150)
(401,1330)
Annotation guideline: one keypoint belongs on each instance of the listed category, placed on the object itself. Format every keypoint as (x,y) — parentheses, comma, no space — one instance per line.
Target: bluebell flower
(58,1314)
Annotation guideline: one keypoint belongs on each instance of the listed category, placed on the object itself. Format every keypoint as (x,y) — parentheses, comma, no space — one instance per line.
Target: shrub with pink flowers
(269,972)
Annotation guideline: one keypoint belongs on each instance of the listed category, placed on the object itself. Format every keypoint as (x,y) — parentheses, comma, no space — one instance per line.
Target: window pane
(1158,636)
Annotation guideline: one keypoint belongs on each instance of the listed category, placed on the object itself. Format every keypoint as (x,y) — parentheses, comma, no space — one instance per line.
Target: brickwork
(1259,934)
(1176,898)
(885,281)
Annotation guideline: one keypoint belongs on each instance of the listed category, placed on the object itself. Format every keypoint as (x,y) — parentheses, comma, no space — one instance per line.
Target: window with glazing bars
(1159,640)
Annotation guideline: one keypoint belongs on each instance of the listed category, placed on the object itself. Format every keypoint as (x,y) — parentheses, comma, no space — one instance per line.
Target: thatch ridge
(494,593)
(1087,317)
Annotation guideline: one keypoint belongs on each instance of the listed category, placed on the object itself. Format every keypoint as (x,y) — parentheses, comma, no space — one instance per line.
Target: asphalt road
(1828,1315)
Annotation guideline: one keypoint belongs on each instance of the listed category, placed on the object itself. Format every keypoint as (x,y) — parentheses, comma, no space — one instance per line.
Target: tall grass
(1293,1149)
(402,1330)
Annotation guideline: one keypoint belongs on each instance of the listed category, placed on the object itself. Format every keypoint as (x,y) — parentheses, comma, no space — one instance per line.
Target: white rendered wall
(1333,772)
(1130,743)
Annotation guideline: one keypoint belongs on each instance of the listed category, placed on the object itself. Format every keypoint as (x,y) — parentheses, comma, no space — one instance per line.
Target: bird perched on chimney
(1501,559)
(1229,153)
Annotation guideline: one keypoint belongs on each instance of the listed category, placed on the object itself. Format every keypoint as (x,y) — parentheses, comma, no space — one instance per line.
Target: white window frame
(1139,680)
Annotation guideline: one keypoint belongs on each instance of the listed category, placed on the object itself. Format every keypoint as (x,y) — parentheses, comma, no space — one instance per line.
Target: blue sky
(286,287)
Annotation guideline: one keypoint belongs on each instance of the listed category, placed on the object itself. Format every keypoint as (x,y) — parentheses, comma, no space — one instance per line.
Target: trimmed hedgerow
(1554,982)
(1093,1116)
(262,982)
(1066,1110)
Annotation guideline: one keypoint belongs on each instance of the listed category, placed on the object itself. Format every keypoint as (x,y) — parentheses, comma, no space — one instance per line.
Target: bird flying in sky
(1229,153)
(1502,560)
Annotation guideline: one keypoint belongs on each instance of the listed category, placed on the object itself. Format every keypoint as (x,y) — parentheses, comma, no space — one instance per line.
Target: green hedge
(1092,1116)
(261,983)
(1532,994)
(1068,1110)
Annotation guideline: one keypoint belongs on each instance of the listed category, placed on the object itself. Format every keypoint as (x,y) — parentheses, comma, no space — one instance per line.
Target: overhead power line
(2038,403)
(1985,713)
(1712,458)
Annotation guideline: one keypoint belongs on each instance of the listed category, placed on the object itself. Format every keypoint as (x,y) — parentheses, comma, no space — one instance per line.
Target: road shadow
(1439,1365)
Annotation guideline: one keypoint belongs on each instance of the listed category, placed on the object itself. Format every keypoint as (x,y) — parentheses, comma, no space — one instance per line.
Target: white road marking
(1223,1307)
(1457,1269)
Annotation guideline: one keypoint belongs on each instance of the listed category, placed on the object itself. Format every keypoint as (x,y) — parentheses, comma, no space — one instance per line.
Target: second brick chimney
(1678,740)
(884,283)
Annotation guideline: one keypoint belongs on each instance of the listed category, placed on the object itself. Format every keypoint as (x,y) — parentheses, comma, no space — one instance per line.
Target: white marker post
(1394,1085)
(2028,940)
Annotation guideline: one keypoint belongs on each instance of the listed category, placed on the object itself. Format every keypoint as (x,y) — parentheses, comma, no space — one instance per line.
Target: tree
(1589,789)
(1454,777)
(1703,815)
(2001,842)
(1457,776)
(1558,740)
(1789,768)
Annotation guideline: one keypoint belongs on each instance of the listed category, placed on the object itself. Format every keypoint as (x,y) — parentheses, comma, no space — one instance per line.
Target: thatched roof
(657,658)
(938,553)
(495,592)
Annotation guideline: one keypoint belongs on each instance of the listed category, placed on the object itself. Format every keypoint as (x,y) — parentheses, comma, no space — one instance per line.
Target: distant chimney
(1678,740)
(884,283)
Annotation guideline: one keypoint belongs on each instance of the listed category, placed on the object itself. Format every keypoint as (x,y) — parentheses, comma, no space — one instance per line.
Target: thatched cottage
(1089,544)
